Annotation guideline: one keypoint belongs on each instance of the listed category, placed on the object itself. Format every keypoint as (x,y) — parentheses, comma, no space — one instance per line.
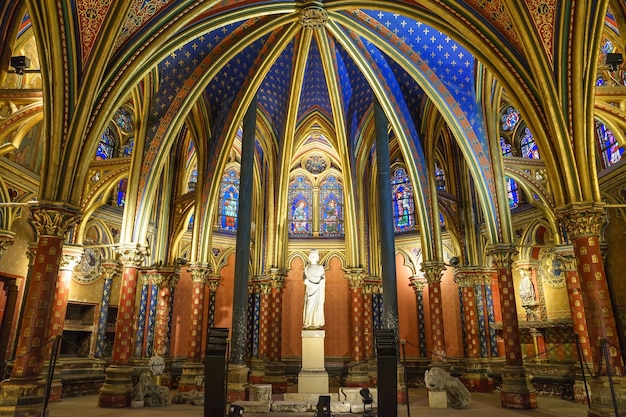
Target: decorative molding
(313,16)
(583,220)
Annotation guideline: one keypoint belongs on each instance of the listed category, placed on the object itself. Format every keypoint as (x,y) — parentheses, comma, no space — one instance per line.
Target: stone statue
(436,379)
(315,288)
(526,289)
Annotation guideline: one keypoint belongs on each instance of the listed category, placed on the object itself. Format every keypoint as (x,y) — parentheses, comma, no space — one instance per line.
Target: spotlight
(20,63)
(368,401)
(323,406)
(612,61)
(235,411)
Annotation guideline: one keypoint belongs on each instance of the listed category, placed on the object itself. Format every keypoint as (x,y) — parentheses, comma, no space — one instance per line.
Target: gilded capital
(6,239)
(213,281)
(502,255)
(373,285)
(109,268)
(132,256)
(70,257)
(199,273)
(50,220)
(277,277)
(582,219)
(417,283)
(164,277)
(355,277)
(432,270)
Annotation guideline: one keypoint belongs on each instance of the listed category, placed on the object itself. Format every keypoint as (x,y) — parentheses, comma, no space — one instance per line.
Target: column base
(188,380)
(602,400)
(275,375)
(516,391)
(237,383)
(117,388)
(358,375)
(22,397)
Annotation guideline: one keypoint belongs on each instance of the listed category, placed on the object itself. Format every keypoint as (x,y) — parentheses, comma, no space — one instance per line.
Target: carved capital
(373,285)
(199,273)
(417,283)
(502,255)
(433,270)
(213,281)
(582,219)
(277,277)
(70,257)
(164,277)
(132,256)
(355,277)
(6,239)
(109,268)
(51,220)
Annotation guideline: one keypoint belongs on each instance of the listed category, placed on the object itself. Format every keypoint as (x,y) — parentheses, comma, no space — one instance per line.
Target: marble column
(140,342)
(274,368)
(466,280)
(23,393)
(69,259)
(516,391)
(432,273)
(583,222)
(117,387)
(165,279)
(357,369)
(109,269)
(194,366)
(371,287)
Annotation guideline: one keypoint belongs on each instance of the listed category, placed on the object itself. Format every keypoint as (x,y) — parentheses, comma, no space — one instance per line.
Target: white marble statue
(526,288)
(315,288)
(436,379)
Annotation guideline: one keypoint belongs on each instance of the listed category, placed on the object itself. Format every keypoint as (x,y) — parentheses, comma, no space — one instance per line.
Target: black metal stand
(216,372)
(582,369)
(54,354)
(387,353)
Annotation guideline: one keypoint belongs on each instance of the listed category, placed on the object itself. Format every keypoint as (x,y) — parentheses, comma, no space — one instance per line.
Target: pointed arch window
(513,191)
(528,146)
(106,147)
(331,207)
(608,148)
(403,202)
(229,201)
(301,199)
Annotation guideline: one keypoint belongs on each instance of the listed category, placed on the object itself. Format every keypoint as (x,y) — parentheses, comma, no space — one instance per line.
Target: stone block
(291,406)
(261,392)
(437,399)
(254,406)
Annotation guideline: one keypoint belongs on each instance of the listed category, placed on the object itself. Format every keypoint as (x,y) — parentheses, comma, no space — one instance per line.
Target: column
(153,297)
(583,223)
(69,259)
(165,279)
(466,280)
(23,393)
(194,366)
(117,387)
(516,389)
(418,284)
(274,368)
(432,273)
(370,288)
(385,221)
(140,347)
(108,270)
(213,281)
(358,368)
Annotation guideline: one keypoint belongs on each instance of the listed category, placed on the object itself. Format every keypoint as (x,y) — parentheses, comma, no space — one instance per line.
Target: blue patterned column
(108,270)
(484,341)
(141,320)
(152,310)
(491,318)
(213,281)
(170,318)
(418,286)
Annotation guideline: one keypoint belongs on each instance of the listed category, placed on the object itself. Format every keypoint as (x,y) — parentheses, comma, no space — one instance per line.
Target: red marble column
(70,258)
(358,370)
(264,289)
(24,392)
(432,273)
(277,283)
(370,287)
(166,279)
(583,224)
(467,280)
(117,386)
(194,368)
(516,389)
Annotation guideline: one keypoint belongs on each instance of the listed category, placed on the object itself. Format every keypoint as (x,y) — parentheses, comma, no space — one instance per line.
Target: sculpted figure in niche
(315,287)
(526,288)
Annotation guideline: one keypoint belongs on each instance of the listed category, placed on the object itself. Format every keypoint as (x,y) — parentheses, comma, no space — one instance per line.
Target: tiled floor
(482,405)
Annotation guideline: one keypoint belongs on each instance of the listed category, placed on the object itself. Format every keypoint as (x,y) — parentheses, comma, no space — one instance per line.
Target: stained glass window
(506,147)
(121,192)
(106,147)
(510,119)
(331,207)
(229,201)
(403,203)
(528,145)
(300,212)
(609,149)
(440,178)
(127,149)
(513,191)
(124,120)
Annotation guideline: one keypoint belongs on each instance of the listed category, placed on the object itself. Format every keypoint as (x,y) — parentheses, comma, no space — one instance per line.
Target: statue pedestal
(313,377)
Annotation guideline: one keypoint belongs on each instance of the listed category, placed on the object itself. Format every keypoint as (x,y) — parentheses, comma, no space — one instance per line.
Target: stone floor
(482,405)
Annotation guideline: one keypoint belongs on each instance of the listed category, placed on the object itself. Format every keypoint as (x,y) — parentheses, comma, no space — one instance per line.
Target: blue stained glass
(124,120)
(403,203)
(106,147)
(121,192)
(528,145)
(506,147)
(127,149)
(610,151)
(331,207)
(513,192)
(510,119)
(300,196)
(229,201)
